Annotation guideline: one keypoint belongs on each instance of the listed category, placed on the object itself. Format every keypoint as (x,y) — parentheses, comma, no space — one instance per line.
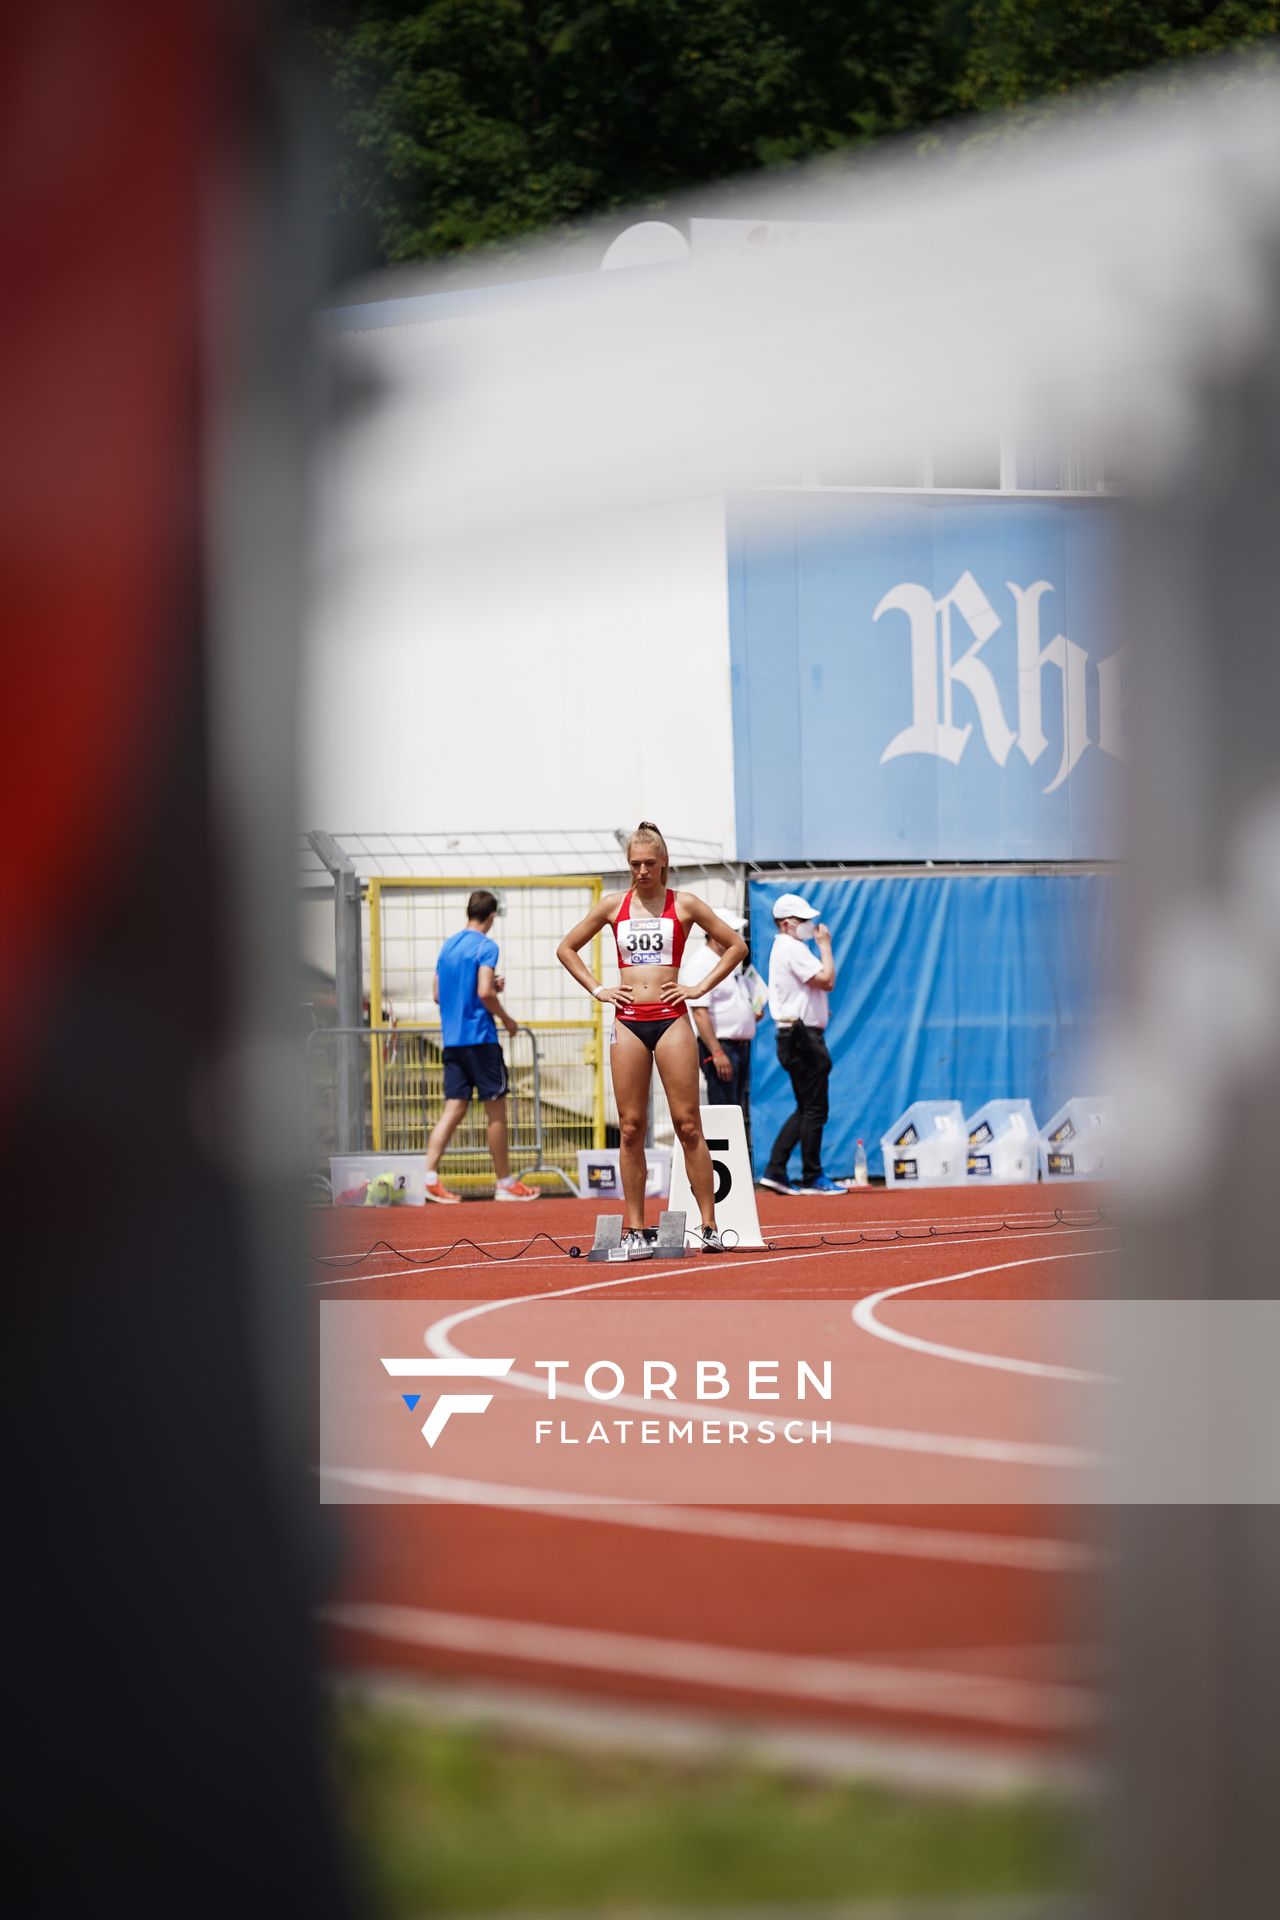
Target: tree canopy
(464,122)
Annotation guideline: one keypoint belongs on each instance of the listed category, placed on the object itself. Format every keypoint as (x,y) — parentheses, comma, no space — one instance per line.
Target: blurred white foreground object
(1072,272)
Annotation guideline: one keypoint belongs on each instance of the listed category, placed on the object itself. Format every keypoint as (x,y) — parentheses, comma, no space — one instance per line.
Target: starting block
(669,1244)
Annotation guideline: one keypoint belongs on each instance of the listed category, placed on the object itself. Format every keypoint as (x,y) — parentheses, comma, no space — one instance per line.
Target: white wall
(576,678)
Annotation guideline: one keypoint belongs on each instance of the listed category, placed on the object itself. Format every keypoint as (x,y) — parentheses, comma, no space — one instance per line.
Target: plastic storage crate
(1077,1143)
(927,1146)
(600,1178)
(350,1172)
(1003,1142)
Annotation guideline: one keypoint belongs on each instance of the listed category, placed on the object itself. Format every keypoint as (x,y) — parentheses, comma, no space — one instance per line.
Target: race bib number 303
(647,943)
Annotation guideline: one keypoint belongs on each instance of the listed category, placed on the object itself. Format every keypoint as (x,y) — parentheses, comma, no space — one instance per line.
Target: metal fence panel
(553,1097)
(411,917)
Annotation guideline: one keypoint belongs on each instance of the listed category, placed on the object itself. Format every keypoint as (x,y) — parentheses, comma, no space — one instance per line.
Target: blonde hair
(652,836)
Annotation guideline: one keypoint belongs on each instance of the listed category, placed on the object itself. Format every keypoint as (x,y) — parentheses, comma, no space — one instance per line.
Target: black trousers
(736,1090)
(802,1053)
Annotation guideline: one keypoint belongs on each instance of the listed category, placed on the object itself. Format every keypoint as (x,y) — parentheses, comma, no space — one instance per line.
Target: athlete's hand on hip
(614,996)
(722,1064)
(678,993)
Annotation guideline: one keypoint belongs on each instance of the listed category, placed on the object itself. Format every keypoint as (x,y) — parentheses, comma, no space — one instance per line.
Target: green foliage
(463,122)
(468,121)
(1022,50)
(454,1820)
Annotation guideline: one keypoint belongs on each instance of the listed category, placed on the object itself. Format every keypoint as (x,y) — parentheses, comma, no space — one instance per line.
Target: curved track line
(865,1318)
(1028,1554)
(906,1690)
(903,1440)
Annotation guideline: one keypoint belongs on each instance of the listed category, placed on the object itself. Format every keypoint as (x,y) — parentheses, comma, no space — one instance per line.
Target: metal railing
(390,1081)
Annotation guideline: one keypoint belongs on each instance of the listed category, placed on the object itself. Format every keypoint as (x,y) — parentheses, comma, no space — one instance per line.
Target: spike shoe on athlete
(707,1240)
(637,1244)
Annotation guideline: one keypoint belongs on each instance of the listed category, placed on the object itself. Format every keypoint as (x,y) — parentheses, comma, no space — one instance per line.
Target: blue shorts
(480,1067)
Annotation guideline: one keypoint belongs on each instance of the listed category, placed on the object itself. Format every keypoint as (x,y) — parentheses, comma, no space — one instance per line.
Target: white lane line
(922,1225)
(862,1683)
(866,1318)
(717,1263)
(897,1439)
(1028,1553)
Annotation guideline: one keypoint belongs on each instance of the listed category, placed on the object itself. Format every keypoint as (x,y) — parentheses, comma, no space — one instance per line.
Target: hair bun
(651,835)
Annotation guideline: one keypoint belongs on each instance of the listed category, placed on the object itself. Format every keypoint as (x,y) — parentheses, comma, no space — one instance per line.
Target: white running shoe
(636,1244)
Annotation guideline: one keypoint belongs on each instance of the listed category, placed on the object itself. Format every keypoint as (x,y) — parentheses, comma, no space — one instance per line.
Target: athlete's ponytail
(652,837)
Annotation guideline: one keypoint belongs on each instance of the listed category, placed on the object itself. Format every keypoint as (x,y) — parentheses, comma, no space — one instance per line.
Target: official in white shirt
(726,1021)
(800,983)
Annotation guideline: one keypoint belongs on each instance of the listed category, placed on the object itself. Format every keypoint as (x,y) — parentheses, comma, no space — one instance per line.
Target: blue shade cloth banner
(957,987)
(925,678)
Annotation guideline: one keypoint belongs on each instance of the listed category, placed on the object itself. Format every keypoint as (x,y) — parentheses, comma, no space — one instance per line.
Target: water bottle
(860,1166)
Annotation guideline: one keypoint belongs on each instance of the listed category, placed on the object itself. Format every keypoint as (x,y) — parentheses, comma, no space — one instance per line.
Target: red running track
(968,1628)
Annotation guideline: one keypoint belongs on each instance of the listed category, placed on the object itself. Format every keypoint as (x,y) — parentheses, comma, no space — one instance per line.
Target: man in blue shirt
(466,989)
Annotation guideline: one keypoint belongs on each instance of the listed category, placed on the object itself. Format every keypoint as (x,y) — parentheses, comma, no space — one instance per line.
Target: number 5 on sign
(735,1193)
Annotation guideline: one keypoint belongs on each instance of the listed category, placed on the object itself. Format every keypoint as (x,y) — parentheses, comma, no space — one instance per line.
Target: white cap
(789,906)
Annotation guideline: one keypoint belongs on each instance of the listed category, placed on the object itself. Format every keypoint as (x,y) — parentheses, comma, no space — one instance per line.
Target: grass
(457,1820)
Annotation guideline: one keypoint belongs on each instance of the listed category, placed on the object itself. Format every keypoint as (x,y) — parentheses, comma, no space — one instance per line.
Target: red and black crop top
(648,941)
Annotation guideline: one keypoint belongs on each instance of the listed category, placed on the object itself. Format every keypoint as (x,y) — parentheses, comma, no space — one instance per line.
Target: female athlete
(652,1022)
